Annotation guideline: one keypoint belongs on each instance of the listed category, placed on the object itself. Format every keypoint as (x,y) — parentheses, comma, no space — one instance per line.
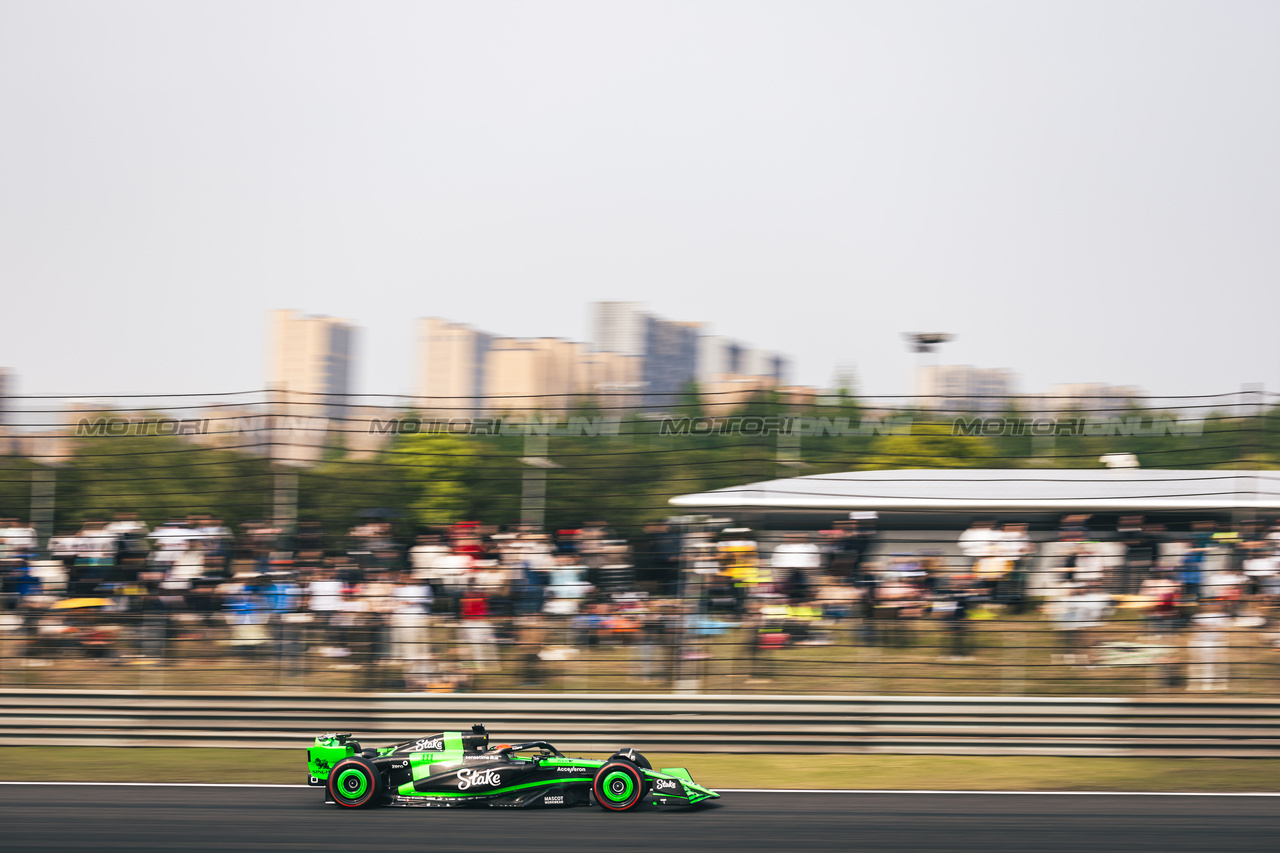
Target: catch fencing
(910,651)
(954,725)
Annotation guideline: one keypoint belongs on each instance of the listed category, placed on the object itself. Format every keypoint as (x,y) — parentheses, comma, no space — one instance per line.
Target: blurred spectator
(411,603)
(282,596)
(1086,565)
(898,602)
(567,580)
(350,625)
(977,543)
(1192,569)
(16,541)
(247,615)
(215,542)
(849,548)
(795,564)
(1139,554)
(1263,571)
(1015,550)
(476,630)
(659,560)
(739,557)
(1163,611)
(1207,648)
(1074,528)
(324,600)
(955,596)
(839,600)
(530,635)
(1080,615)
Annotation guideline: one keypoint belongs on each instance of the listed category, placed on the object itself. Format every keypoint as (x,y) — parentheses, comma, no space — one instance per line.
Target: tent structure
(953,494)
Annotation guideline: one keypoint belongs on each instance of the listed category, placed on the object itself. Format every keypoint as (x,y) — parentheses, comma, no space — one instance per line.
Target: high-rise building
(963,388)
(465,372)
(668,350)
(730,373)
(620,327)
(768,365)
(1089,398)
(309,379)
(451,367)
(610,377)
(670,360)
(718,357)
(635,359)
(528,375)
(311,362)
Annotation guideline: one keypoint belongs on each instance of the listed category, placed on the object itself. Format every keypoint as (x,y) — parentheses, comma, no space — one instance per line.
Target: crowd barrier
(657,722)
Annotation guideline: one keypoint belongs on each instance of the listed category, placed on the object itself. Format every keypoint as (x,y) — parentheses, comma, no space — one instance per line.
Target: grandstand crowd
(439,610)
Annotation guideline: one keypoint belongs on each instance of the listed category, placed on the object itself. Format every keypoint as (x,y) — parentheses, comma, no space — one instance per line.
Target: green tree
(931,445)
(437,468)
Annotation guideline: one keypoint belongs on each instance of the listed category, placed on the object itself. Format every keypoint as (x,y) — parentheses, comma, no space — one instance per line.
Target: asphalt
(81,817)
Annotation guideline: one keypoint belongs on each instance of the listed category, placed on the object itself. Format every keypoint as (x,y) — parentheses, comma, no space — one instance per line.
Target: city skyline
(304,365)
(461,369)
(17,381)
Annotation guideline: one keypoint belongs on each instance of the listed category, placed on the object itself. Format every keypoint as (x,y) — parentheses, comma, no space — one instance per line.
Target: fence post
(533,496)
(284,500)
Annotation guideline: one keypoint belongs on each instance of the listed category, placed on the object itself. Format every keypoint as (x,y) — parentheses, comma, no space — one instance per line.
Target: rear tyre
(618,786)
(353,782)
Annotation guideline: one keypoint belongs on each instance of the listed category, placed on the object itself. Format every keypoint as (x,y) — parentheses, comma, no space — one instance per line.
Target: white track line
(737,790)
(999,793)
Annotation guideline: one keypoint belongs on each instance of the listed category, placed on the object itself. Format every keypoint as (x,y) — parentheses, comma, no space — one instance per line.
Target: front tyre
(353,782)
(634,757)
(618,786)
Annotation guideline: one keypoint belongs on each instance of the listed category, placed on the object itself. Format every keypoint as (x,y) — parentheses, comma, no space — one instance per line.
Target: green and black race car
(461,769)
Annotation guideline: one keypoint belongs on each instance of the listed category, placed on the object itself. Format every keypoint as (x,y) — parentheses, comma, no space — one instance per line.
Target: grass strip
(905,772)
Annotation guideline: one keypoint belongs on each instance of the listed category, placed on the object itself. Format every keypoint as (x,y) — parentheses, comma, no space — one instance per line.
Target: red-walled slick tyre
(353,782)
(618,786)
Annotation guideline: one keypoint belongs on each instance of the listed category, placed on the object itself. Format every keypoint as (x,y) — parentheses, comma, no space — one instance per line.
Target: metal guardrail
(664,722)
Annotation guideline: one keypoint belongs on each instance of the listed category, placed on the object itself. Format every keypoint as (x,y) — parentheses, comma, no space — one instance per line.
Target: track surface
(84,817)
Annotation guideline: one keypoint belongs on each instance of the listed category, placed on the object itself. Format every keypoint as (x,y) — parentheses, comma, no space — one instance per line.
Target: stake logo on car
(426,744)
(478,778)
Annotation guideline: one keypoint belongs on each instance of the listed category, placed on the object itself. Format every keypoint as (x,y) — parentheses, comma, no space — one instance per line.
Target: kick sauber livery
(460,769)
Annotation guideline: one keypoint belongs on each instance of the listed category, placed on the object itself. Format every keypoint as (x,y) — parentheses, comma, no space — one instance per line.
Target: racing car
(451,769)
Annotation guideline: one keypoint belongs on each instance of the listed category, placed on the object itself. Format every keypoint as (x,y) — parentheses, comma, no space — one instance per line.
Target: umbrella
(80,603)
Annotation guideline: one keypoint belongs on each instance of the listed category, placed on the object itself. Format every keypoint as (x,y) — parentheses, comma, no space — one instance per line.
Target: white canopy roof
(1010,490)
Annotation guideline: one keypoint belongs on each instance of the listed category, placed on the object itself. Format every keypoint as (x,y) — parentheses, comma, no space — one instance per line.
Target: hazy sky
(1080,191)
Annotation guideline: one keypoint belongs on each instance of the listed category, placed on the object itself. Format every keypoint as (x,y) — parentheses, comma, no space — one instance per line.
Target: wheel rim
(618,786)
(352,784)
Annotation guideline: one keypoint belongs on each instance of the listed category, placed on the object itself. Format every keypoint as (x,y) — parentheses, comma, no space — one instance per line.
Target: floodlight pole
(284,478)
(533,492)
(284,499)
